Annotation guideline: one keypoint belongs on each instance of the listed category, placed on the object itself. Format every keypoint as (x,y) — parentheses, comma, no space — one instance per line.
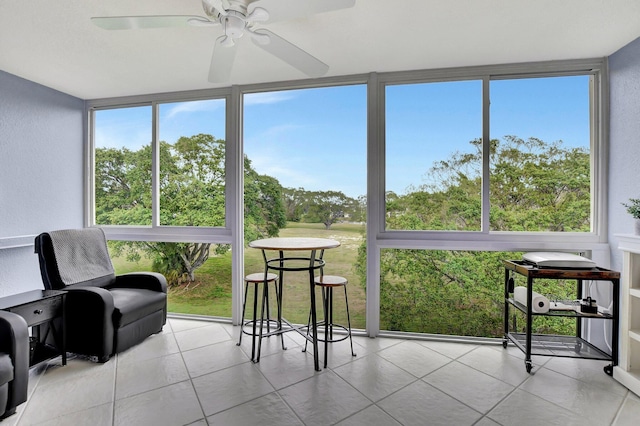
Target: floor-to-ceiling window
(456,169)
(162,166)
(309,147)
(466,161)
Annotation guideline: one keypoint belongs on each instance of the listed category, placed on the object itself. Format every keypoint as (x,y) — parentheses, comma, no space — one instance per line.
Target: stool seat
(330,281)
(258,277)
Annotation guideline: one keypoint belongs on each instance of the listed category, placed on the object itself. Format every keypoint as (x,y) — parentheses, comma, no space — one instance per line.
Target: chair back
(74,256)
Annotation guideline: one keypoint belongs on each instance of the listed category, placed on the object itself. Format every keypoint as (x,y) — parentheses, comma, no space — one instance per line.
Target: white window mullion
(155,165)
(234,150)
(486,151)
(89,173)
(375,199)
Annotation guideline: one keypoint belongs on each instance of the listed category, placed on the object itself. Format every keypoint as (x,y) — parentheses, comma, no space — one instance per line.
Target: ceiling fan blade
(289,53)
(280,10)
(144,22)
(222,60)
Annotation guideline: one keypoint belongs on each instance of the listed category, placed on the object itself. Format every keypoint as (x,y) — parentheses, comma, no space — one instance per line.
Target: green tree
(296,203)
(123,186)
(192,193)
(327,207)
(535,186)
(264,209)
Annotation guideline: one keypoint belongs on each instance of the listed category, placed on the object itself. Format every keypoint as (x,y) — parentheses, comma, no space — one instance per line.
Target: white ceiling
(53,42)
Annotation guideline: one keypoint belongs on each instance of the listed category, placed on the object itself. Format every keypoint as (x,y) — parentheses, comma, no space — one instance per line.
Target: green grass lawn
(210,294)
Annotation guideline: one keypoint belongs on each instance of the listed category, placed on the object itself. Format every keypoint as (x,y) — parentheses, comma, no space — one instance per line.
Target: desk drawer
(40,311)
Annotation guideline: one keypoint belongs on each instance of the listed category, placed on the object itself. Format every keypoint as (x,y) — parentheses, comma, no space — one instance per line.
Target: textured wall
(41,172)
(624,139)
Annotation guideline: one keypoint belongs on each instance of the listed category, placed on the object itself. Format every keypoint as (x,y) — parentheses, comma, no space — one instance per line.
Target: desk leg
(314,318)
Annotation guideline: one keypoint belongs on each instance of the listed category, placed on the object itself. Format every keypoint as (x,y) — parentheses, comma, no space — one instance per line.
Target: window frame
(596,69)
(156,231)
(593,243)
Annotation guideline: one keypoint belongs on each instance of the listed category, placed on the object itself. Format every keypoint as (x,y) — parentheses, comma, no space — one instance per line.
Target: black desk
(38,308)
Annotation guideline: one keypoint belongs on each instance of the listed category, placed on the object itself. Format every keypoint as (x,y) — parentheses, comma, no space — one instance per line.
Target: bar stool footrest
(247,326)
(336,339)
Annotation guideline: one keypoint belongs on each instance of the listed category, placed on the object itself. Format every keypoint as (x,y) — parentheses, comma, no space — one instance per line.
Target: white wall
(624,138)
(41,173)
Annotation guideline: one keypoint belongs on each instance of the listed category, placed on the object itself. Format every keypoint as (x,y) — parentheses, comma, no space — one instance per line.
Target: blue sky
(316,138)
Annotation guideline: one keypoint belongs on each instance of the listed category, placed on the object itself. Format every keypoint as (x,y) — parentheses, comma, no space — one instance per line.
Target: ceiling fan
(238,17)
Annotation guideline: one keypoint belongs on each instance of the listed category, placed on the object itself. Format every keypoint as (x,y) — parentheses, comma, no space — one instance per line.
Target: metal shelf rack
(559,345)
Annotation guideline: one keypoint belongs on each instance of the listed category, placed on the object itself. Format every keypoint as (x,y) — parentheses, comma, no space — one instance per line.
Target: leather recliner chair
(104,313)
(14,362)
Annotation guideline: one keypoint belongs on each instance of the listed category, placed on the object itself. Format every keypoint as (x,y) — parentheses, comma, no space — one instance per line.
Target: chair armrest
(96,301)
(14,340)
(145,280)
(89,319)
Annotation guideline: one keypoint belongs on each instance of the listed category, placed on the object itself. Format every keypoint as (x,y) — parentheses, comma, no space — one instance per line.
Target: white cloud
(195,106)
(267,98)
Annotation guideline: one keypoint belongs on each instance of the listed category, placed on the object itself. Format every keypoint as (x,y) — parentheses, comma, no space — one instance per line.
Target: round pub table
(285,261)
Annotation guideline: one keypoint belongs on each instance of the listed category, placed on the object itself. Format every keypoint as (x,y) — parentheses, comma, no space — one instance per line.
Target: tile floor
(194,374)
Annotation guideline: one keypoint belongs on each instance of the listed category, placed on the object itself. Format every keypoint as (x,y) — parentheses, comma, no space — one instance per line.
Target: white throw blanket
(81,254)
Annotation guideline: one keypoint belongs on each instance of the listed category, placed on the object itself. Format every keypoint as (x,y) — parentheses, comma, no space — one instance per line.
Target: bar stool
(328,283)
(257,279)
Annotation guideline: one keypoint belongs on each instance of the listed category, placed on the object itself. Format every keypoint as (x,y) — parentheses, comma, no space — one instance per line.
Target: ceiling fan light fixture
(234,24)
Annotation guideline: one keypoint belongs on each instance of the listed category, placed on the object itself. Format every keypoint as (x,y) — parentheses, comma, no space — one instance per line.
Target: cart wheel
(528,366)
(609,369)
(504,343)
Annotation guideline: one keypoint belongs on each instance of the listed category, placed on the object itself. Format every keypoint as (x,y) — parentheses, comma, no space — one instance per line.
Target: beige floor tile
(155,373)
(524,409)
(102,415)
(374,376)
(198,337)
(288,367)
(210,358)
(324,399)
(269,410)
(370,416)
(629,414)
(153,347)
(227,388)
(422,404)
(498,364)
(64,390)
(472,387)
(176,404)
(415,358)
(579,397)
(451,349)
